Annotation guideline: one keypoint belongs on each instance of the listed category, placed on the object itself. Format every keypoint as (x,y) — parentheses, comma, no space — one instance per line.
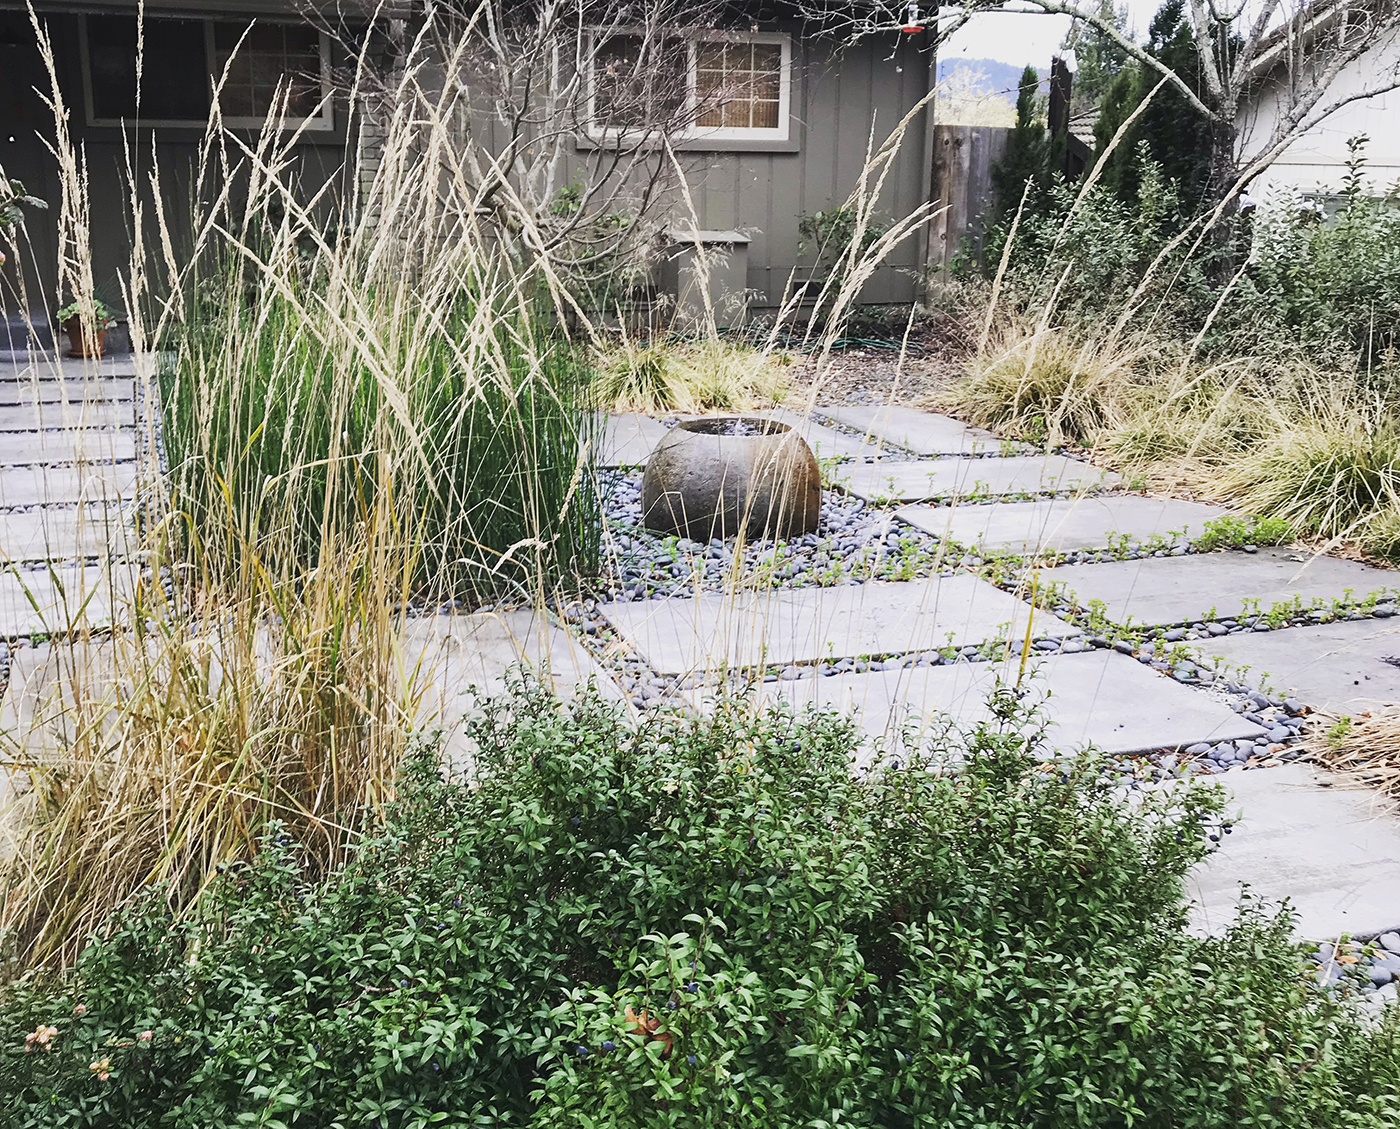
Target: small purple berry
(692,987)
(609,1045)
(690,1059)
(576,821)
(582,1051)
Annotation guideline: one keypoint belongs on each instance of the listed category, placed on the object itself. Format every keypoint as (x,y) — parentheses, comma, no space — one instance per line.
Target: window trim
(321,123)
(693,134)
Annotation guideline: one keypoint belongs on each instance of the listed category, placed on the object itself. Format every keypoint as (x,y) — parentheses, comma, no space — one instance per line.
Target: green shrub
(977,937)
(1324,282)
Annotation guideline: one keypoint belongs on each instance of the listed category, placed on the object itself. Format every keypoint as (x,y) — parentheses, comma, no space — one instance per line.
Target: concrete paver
(1166,590)
(921,432)
(1064,524)
(24,390)
(685,636)
(1344,667)
(949,479)
(63,485)
(826,443)
(28,415)
(63,597)
(1098,697)
(63,532)
(1333,852)
(463,656)
(628,439)
(71,370)
(68,445)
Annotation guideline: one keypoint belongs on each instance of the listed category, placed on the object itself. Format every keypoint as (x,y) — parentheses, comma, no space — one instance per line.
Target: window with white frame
(182,59)
(692,86)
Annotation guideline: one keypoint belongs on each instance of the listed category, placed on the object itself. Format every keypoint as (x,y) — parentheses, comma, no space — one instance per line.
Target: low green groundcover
(710,924)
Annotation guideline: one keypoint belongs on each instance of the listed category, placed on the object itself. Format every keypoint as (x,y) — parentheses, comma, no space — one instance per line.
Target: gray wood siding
(841,102)
(844,106)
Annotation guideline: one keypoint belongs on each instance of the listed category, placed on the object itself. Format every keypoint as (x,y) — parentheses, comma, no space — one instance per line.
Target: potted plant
(86,339)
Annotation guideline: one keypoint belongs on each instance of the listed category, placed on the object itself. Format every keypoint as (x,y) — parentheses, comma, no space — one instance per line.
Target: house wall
(1316,162)
(28,128)
(844,103)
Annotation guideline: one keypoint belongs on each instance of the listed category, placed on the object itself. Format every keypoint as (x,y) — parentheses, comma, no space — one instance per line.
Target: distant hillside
(984,76)
(977,92)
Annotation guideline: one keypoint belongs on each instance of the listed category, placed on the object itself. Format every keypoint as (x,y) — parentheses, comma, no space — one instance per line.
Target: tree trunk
(1220,178)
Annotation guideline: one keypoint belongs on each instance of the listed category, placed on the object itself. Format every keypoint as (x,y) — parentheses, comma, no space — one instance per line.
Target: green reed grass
(284,441)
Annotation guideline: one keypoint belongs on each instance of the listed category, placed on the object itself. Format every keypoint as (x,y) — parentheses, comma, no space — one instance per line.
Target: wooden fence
(963,157)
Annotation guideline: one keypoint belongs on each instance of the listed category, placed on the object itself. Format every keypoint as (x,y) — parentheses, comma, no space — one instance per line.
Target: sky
(1025,38)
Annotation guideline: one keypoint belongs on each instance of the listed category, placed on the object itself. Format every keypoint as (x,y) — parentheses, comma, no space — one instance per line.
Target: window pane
(270,54)
(765,115)
(174,70)
(639,83)
(737,85)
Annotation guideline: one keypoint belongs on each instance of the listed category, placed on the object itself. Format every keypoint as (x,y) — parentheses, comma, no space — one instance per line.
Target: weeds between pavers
(697,921)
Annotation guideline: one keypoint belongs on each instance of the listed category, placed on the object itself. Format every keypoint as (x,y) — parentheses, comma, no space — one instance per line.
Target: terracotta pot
(708,478)
(81,342)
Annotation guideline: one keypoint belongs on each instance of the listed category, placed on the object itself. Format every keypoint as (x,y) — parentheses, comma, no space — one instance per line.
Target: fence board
(963,159)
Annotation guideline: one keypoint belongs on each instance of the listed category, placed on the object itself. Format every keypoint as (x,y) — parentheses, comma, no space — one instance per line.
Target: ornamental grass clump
(1044,386)
(368,406)
(712,922)
(678,375)
(1331,475)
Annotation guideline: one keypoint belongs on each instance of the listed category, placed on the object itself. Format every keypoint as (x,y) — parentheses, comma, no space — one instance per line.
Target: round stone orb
(714,477)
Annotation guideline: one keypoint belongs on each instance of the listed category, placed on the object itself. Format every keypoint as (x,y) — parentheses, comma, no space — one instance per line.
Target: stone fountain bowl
(714,477)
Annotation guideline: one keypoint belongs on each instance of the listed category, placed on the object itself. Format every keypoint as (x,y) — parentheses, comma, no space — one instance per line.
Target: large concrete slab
(64,532)
(1333,852)
(629,439)
(1343,668)
(785,625)
(826,443)
(68,445)
(921,432)
(952,479)
(51,688)
(458,659)
(1098,697)
(63,598)
(93,482)
(1064,524)
(42,414)
(1165,590)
